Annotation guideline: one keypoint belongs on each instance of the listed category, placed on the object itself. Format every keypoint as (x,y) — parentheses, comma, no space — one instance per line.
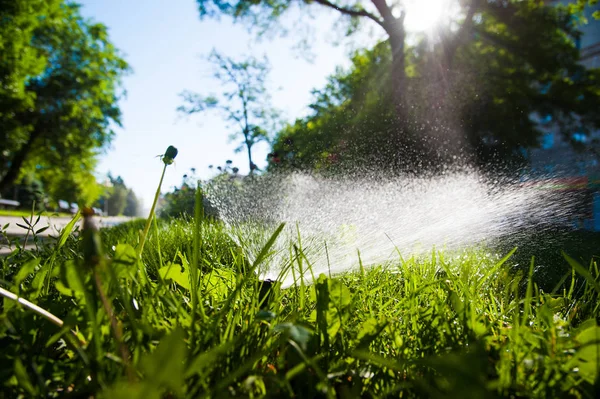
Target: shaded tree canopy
(520,62)
(59,94)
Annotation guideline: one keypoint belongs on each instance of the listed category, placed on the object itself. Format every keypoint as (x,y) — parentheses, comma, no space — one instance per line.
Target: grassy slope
(453,325)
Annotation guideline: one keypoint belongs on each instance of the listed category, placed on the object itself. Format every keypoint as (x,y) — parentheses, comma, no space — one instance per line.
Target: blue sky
(164,42)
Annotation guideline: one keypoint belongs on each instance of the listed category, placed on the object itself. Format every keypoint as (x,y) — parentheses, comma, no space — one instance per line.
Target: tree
(79,185)
(114,199)
(502,80)
(132,205)
(244,101)
(118,199)
(427,80)
(181,201)
(389,16)
(60,89)
(29,192)
(520,62)
(351,122)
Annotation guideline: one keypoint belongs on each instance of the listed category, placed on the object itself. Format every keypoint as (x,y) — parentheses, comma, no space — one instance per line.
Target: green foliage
(79,186)
(353,120)
(179,202)
(471,93)
(503,75)
(29,192)
(132,205)
(261,14)
(265,15)
(244,103)
(118,199)
(453,325)
(517,71)
(58,101)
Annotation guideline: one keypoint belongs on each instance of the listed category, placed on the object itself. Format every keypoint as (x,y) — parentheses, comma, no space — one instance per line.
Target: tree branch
(385,11)
(351,12)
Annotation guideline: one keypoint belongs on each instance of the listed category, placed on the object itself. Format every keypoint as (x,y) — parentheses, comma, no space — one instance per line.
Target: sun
(426,15)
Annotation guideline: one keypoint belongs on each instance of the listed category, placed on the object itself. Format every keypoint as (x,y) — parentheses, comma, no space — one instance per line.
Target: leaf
(177,273)
(70,283)
(204,360)
(164,368)
(296,333)
(367,328)
(321,297)
(583,271)
(23,378)
(38,231)
(333,300)
(66,231)
(219,283)
(125,260)
(457,304)
(369,331)
(339,294)
(265,315)
(586,361)
(125,390)
(38,280)
(25,271)
(21,226)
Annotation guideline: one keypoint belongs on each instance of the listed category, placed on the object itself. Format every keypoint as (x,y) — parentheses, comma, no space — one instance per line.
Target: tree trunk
(17,162)
(394,27)
(250,163)
(408,147)
(398,73)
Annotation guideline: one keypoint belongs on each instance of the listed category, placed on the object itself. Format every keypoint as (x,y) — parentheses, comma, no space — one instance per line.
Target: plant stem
(31,306)
(72,339)
(117,331)
(151,215)
(195,265)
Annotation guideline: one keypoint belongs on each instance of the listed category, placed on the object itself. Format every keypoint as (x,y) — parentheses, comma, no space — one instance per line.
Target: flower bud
(170,155)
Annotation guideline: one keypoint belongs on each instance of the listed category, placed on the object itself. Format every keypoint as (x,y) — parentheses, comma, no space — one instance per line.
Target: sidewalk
(55,225)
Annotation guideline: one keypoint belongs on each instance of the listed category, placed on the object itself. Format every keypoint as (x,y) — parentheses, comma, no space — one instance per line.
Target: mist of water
(383,218)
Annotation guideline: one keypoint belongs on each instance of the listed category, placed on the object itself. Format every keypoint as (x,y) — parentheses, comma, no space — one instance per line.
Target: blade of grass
(583,272)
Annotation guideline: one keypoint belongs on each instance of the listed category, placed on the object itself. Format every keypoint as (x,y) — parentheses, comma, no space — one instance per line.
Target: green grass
(450,325)
(27,213)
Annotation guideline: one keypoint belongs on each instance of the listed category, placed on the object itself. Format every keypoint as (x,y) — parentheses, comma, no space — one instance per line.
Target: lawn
(25,213)
(191,319)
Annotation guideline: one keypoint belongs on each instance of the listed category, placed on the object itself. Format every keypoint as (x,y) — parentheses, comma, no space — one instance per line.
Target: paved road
(55,225)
